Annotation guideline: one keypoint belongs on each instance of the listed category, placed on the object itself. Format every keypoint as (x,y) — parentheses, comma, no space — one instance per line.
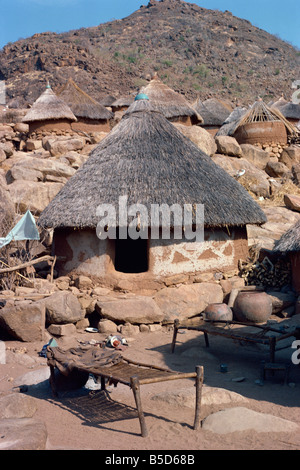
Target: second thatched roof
(168,102)
(148,160)
(49,107)
(83,105)
(289,241)
(213,111)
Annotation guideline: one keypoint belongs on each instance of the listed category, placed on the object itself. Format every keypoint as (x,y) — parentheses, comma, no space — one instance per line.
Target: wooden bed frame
(132,374)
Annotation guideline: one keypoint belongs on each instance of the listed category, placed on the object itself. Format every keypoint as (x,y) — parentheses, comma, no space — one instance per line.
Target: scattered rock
(255,155)
(200,137)
(243,419)
(17,405)
(227,145)
(210,396)
(187,300)
(132,309)
(63,307)
(23,434)
(24,320)
(292,202)
(62,330)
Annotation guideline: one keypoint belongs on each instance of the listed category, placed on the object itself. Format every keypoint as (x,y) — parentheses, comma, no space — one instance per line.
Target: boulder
(252,178)
(24,320)
(255,155)
(68,329)
(277,169)
(83,282)
(45,167)
(21,127)
(210,396)
(290,156)
(17,405)
(62,308)
(132,309)
(227,145)
(32,195)
(243,419)
(281,301)
(188,300)
(292,202)
(107,327)
(60,146)
(8,148)
(199,137)
(23,434)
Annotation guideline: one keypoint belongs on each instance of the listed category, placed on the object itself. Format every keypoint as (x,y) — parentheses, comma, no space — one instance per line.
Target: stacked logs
(265,273)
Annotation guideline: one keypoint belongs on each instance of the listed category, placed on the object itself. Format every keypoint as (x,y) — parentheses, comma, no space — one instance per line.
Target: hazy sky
(23,18)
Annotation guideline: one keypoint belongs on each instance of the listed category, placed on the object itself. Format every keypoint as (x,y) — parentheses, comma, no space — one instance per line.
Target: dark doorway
(131,256)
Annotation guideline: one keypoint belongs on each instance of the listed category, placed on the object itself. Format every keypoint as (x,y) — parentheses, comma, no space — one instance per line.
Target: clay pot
(254,307)
(218,312)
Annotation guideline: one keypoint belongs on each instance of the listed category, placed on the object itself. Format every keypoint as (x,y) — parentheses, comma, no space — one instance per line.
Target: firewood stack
(265,273)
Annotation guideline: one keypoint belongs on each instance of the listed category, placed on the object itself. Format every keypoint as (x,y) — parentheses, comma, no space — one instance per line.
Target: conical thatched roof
(122,102)
(260,112)
(147,159)
(290,111)
(168,102)
(231,122)
(289,241)
(82,105)
(213,111)
(49,107)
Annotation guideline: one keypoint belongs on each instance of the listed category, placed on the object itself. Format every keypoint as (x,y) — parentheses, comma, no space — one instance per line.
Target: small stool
(275,367)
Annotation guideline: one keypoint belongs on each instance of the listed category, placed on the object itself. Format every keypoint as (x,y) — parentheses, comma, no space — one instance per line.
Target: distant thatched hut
(213,112)
(49,113)
(262,125)
(171,104)
(122,103)
(289,244)
(291,112)
(146,159)
(91,116)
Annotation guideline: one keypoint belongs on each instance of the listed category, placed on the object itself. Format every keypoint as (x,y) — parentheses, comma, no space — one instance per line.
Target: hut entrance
(131,256)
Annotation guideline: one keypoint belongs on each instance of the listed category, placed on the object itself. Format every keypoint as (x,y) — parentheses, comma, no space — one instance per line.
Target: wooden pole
(135,386)
(176,326)
(26,265)
(199,383)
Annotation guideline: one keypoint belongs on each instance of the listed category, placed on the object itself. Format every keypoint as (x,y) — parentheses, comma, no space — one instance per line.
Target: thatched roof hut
(291,112)
(231,122)
(262,124)
(83,105)
(122,103)
(148,160)
(289,241)
(289,244)
(49,112)
(213,112)
(171,104)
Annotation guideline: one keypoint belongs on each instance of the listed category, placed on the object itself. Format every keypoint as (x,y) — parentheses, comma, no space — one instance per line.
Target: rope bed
(265,335)
(110,366)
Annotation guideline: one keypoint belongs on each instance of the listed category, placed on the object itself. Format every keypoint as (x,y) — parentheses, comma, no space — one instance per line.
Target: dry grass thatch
(290,111)
(82,105)
(260,112)
(168,102)
(49,107)
(289,241)
(147,159)
(212,111)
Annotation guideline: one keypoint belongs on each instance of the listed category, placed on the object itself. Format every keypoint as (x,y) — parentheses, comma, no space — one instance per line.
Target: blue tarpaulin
(25,229)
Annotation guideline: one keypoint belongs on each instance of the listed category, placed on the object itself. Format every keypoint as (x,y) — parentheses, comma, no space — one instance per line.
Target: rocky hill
(195,51)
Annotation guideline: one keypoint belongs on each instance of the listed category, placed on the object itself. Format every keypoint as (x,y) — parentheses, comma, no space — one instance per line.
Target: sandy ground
(81,420)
